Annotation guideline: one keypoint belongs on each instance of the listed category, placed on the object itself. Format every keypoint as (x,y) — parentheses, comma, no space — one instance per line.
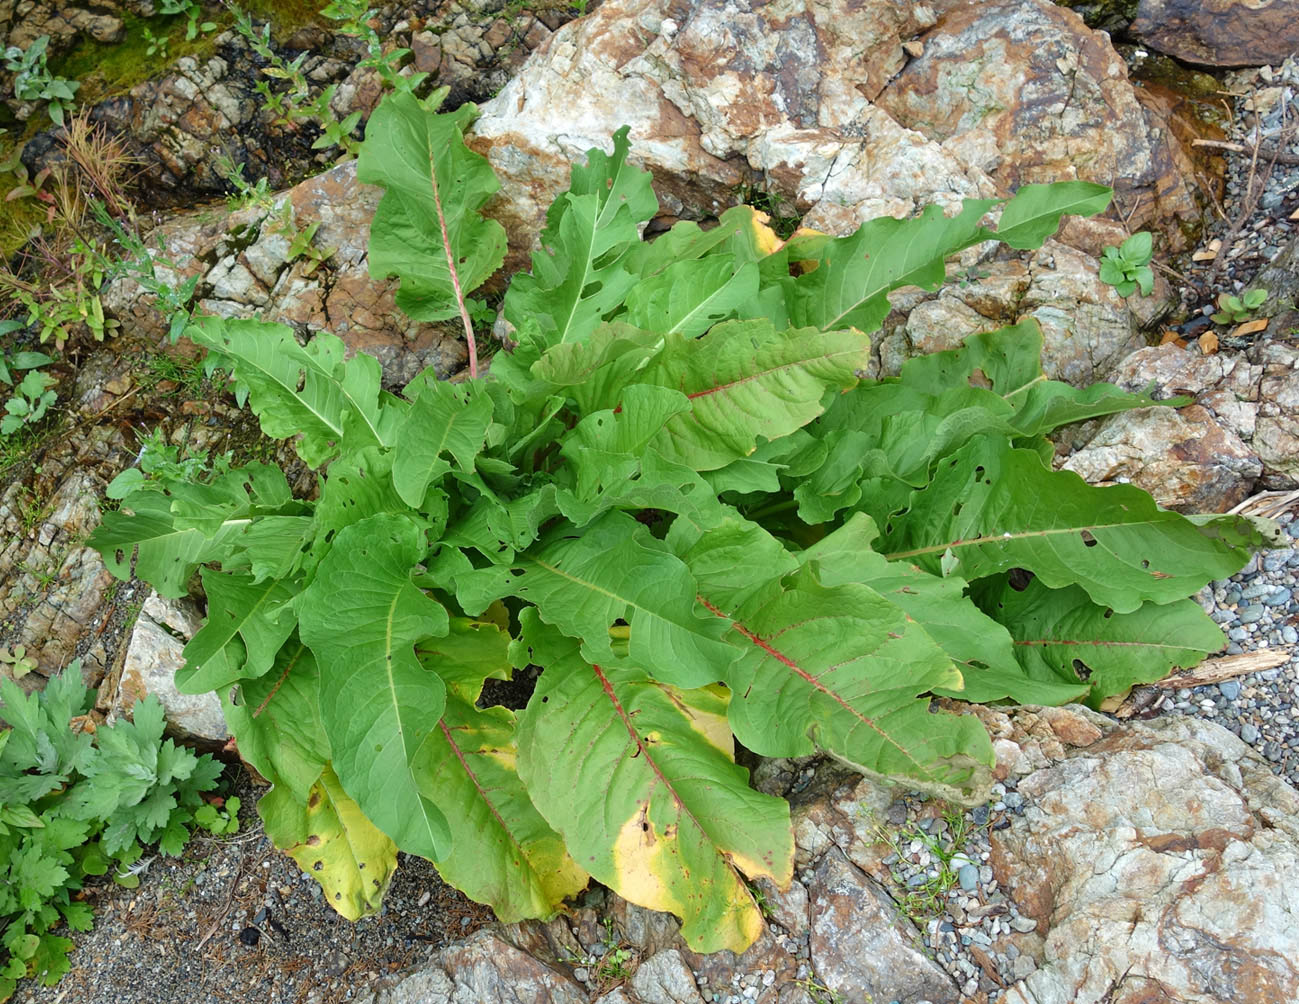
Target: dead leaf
(1249,327)
(1170,335)
(1208,343)
(1295,215)
(1208,252)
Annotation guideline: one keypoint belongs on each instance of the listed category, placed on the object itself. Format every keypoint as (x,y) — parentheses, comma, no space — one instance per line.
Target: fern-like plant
(678,496)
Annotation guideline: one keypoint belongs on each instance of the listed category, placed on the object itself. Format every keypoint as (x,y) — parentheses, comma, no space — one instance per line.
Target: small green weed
(33,80)
(1235,309)
(1127,267)
(18,661)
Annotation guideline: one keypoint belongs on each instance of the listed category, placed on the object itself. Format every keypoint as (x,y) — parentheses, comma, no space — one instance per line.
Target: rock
(153,656)
(426,986)
(487,970)
(649,931)
(665,979)
(841,810)
(786,907)
(1160,862)
(243,278)
(1087,328)
(805,101)
(1219,32)
(1018,88)
(861,947)
(1182,457)
(1276,436)
(54,591)
(1253,396)
(777,956)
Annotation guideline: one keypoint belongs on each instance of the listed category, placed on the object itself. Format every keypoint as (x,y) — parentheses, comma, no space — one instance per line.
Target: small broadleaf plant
(678,495)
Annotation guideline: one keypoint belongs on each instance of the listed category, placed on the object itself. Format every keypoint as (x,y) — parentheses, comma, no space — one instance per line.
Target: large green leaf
(254,616)
(584,581)
(362,617)
(165,556)
(991,508)
(413,152)
(333,842)
(843,671)
(853,275)
(1034,213)
(1010,360)
(981,647)
(276,721)
(1061,635)
(308,390)
(745,379)
(443,419)
(580,273)
(639,778)
(502,851)
(689,297)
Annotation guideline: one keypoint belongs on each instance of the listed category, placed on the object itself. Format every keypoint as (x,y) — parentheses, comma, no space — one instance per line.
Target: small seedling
(217,820)
(1127,266)
(1234,309)
(18,661)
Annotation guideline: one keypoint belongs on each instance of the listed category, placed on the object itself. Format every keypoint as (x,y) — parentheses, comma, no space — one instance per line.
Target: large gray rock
(1161,861)
(153,656)
(1252,396)
(665,979)
(862,947)
(1023,90)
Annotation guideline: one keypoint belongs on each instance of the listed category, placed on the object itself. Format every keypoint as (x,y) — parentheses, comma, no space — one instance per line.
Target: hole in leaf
(978,473)
(1019,578)
(1083,670)
(1145,563)
(1108,613)
(1087,537)
(317,866)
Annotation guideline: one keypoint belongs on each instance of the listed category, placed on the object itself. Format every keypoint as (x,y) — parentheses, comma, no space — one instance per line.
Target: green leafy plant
(33,80)
(192,12)
(70,803)
(219,820)
(1127,267)
(676,494)
(18,661)
(32,396)
(1235,309)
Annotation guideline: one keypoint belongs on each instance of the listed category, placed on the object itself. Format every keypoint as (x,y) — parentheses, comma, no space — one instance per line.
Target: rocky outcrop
(1143,862)
(1219,32)
(849,111)
(1160,863)
(1183,457)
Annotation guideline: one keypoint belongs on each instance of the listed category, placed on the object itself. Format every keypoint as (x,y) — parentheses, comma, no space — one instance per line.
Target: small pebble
(968,876)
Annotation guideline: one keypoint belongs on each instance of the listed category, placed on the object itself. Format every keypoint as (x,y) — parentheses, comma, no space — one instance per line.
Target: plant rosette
(680,498)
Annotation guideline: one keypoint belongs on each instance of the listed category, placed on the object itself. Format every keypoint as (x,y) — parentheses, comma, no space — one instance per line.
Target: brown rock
(1219,32)
(1020,87)
(1182,457)
(861,947)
